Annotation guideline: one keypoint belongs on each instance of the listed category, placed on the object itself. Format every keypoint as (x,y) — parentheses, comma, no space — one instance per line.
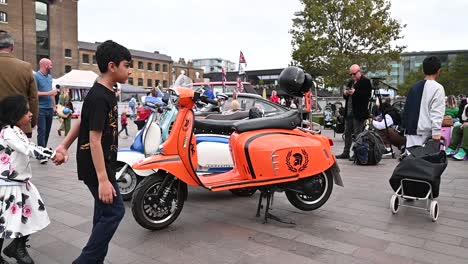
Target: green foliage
(454,78)
(331,35)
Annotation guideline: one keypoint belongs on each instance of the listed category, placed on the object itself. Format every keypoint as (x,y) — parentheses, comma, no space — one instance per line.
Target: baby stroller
(339,124)
(417,177)
(328,116)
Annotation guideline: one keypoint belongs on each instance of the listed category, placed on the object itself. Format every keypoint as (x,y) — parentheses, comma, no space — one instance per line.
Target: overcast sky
(216,28)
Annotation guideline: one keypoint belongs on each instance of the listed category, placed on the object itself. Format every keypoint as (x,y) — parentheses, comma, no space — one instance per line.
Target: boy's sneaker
(460,154)
(450,152)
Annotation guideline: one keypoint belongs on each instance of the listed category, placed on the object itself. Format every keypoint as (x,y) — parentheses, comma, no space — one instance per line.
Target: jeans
(44,122)
(352,127)
(106,219)
(124,127)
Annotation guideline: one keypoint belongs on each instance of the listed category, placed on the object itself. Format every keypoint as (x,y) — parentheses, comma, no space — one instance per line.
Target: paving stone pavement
(355,226)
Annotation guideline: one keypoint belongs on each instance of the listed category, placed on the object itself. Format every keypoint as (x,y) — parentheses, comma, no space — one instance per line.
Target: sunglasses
(353,73)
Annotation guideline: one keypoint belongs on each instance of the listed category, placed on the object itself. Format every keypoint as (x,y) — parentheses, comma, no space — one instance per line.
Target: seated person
(459,135)
(451,108)
(390,136)
(235,106)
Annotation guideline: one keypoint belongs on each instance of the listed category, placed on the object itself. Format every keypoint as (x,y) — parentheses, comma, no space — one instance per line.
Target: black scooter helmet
(295,81)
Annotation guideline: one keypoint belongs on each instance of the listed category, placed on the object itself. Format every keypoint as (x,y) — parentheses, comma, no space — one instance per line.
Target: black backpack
(368,148)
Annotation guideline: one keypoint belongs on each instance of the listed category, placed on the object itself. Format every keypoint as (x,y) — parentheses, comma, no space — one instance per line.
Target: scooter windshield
(183,81)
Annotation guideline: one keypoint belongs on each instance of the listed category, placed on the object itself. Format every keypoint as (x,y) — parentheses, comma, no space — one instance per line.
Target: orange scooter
(271,154)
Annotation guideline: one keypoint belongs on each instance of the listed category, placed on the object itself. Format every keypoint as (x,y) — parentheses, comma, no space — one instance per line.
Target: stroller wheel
(434,211)
(394,204)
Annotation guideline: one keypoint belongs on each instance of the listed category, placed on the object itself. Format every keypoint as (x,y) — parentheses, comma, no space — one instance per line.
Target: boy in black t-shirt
(97,149)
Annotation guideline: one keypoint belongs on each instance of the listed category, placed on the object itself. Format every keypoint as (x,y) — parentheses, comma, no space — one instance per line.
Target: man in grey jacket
(425,106)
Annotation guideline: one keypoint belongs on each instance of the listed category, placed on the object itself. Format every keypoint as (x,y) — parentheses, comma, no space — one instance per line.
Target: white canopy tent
(78,79)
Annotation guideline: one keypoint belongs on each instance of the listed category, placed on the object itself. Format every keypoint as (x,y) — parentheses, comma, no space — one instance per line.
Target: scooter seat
(288,120)
(234,116)
(208,126)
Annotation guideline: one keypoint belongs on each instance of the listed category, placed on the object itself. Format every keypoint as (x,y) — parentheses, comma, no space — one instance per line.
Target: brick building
(149,68)
(43,29)
(196,74)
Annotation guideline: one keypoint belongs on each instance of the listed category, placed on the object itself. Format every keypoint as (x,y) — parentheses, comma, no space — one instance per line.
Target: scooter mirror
(166,98)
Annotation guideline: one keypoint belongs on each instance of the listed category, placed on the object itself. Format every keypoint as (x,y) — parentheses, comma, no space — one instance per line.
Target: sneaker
(342,156)
(43,161)
(450,152)
(460,154)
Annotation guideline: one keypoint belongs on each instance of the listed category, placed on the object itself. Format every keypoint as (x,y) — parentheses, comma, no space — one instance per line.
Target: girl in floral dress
(22,210)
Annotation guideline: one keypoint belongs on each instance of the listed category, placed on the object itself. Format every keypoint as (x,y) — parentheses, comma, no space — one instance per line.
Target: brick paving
(355,226)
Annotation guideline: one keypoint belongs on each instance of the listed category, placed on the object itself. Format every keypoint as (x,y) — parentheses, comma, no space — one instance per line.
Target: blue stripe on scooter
(214,139)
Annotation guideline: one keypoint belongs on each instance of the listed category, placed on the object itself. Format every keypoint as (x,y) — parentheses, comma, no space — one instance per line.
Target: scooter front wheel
(128,182)
(322,189)
(155,213)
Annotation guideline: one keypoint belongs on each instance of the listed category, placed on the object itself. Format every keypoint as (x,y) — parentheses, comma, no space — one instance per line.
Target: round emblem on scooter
(297,162)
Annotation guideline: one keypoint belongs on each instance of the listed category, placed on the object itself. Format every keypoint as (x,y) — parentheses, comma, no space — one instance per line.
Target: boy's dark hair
(431,65)
(12,109)
(110,51)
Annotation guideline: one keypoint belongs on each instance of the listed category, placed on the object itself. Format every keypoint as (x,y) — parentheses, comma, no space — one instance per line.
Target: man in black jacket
(356,108)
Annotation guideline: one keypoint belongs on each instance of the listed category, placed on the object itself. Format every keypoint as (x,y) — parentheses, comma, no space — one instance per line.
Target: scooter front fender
(130,157)
(170,163)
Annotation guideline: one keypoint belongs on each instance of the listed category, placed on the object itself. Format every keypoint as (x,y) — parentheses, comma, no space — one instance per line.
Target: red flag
(242,58)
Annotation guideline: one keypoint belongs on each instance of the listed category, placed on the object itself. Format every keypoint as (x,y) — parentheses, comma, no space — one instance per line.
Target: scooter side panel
(172,164)
(277,153)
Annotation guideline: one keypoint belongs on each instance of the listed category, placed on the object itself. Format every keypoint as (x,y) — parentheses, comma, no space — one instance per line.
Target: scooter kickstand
(268,215)
(260,206)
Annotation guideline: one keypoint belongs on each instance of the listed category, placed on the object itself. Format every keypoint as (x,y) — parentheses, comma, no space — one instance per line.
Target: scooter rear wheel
(152,213)
(324,183)
(128,182)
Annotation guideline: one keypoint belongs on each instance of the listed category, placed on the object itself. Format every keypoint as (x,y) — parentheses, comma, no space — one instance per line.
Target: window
(140,82)
(131,64)
(3,17)
(130,80)
(150,66)
(165,69)
(156,82)
(158,67)
(68,68)
(4,2)
(85,58)
(140,65)
(164,84)
(42,30)
(41,8)
(68,53)
(149,83)
(94,60)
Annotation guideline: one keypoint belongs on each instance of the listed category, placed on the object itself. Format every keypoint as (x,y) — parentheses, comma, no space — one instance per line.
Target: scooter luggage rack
(431,205)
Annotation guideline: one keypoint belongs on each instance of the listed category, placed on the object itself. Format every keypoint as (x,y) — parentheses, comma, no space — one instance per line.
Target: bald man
(357,97)
(46,95)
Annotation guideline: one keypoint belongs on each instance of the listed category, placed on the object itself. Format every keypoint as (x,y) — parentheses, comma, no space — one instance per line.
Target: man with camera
(357,96)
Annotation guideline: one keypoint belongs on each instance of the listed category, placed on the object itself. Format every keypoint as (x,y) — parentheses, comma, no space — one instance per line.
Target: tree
(331,35)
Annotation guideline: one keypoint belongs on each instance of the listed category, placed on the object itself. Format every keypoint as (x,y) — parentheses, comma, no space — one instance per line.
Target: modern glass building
(214,65)
(412,61)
